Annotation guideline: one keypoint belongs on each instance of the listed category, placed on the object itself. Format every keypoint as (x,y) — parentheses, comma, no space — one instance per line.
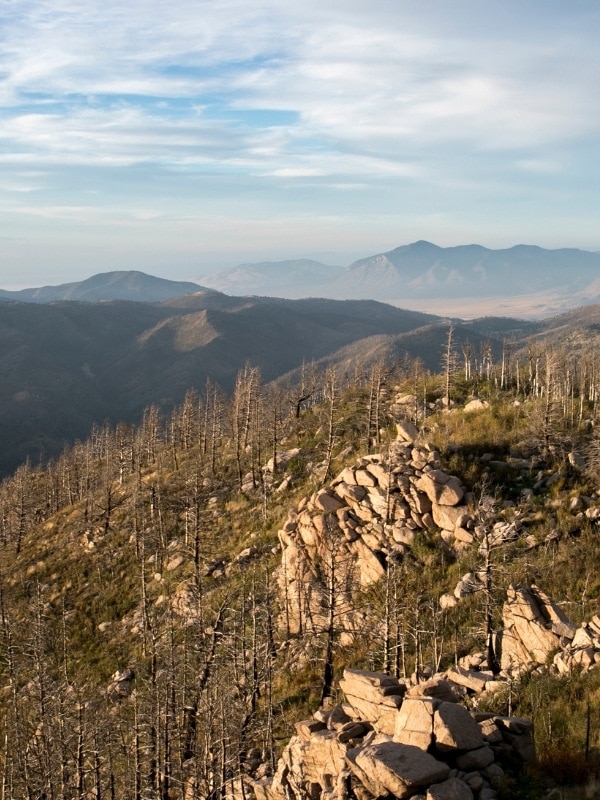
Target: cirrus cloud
(218,106)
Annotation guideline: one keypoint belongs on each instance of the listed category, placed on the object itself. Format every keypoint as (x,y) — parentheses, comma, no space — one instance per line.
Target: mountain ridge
(130,285)
(68,365)
(461,281)
(527,280)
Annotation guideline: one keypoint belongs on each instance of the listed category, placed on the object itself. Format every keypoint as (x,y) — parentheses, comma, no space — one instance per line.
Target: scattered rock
(451,789)
(439,751)
(528,637)
(406,431)
(121,684)
(455,729)
(476,405)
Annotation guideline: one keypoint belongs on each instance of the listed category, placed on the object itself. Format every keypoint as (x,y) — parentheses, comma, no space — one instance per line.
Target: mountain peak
(420,247)
(423,243)
(131,285)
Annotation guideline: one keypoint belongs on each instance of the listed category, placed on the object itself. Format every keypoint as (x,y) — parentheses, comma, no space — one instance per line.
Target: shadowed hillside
(69,365)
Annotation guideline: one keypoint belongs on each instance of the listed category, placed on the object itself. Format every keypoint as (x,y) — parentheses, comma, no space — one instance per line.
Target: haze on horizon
(179,139)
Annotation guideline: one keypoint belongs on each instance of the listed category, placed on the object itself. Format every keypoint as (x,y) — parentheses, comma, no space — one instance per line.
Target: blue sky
(180,138)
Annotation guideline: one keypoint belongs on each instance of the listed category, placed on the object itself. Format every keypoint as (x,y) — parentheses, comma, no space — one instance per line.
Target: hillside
(293,279)
(67,366)
(174,598)
(132,285)
(70,365)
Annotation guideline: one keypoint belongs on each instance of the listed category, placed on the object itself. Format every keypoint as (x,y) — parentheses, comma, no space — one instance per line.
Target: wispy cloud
(248,100)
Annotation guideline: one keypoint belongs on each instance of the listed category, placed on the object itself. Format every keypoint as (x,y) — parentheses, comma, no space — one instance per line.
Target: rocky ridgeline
(397,741)
(371,512)
(340,539)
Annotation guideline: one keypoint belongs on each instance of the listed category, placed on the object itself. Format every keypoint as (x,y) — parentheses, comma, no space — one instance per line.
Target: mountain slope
(292,279)
(132,285)
(148,612)
(69,365)
(423,269)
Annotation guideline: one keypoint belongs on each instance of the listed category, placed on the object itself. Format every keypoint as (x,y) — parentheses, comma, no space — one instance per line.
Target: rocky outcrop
(536,629)
(527,637)
(582,650)
(339,539)
(273,473)
(383,743)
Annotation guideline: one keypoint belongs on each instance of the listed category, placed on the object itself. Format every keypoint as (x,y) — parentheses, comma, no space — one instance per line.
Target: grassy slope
(87,573)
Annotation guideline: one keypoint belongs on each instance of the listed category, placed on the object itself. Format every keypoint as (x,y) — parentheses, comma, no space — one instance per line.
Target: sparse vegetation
(143,651)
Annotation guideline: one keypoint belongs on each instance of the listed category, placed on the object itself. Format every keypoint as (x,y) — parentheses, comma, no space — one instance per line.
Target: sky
(183,137)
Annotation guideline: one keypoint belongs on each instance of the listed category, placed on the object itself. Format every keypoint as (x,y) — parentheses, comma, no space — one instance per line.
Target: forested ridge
(144,644)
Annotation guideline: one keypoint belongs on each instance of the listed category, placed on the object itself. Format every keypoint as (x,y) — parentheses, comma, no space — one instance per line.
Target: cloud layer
(133,131)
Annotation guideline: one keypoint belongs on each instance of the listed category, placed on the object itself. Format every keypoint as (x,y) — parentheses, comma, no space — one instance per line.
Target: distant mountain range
(467,281)
(461,281)
(289,279)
